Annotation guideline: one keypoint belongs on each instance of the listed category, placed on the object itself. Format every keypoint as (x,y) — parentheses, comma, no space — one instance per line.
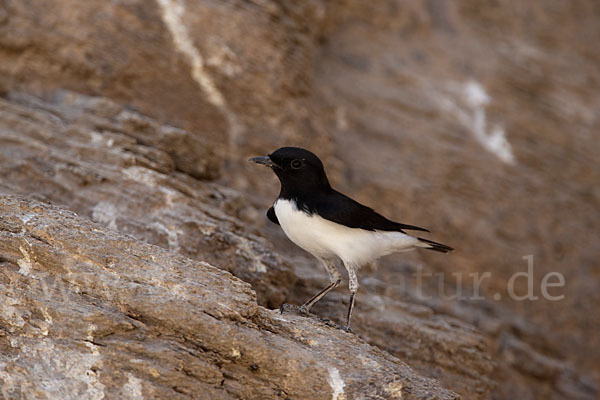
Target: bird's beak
(266,160)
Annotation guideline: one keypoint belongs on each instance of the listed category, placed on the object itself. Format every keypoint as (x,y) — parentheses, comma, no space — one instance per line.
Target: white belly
(325,239)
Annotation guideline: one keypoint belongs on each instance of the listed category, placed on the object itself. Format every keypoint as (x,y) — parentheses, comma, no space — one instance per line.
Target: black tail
(442,248)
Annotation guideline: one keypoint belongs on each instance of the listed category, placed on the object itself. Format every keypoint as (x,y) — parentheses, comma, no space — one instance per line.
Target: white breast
(325,239)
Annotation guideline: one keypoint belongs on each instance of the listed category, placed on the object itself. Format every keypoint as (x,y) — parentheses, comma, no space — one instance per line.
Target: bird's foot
(293,309)
(285,307)
(303,310)
(346,328)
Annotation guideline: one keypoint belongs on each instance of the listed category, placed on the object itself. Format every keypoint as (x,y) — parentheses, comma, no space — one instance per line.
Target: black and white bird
(330,225)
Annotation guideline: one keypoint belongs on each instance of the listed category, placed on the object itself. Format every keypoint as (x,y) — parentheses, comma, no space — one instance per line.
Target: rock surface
(485,116)
(88,312)
(117,167)
(482,114)
(89,163)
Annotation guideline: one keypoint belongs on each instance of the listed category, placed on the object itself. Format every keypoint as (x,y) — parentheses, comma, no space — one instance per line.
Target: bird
(330,225)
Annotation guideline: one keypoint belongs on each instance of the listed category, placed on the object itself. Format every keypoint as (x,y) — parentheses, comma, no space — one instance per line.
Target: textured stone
(116,167)
(477,120)
(90,313)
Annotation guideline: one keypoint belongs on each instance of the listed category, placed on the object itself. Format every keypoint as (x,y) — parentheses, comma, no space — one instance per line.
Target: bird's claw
(285,307)
(303,310)
(293,309)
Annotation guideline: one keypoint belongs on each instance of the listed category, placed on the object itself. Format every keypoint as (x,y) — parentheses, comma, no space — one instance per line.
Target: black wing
(339,208)
(271,215)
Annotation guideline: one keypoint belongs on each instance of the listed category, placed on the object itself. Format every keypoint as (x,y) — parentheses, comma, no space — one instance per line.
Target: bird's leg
(349,315)
(353,284)
(305,308)
(334,276)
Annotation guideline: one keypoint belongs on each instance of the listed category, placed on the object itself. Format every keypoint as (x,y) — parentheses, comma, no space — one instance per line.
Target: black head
(298,170)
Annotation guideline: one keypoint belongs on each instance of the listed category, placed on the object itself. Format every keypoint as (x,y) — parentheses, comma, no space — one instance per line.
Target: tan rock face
(475,120)
(90,313)
(239,72)
(70,150)
(118,168)
(479,121)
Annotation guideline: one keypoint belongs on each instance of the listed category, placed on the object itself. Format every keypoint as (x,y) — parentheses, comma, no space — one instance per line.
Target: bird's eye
(296,164)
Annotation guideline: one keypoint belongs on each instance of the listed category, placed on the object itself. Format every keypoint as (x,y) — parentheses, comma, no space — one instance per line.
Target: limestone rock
(477,120)
(89,161)
(118,168)
(90,313)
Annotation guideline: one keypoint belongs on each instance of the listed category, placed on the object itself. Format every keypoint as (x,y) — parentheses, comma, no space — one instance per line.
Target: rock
(478,121)
(116,167)
(90,313)
(475,120)
(188,64)
(94,153)
(89,161)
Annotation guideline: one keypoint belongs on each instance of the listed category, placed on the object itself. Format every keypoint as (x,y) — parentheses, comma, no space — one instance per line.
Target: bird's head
(298,169)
